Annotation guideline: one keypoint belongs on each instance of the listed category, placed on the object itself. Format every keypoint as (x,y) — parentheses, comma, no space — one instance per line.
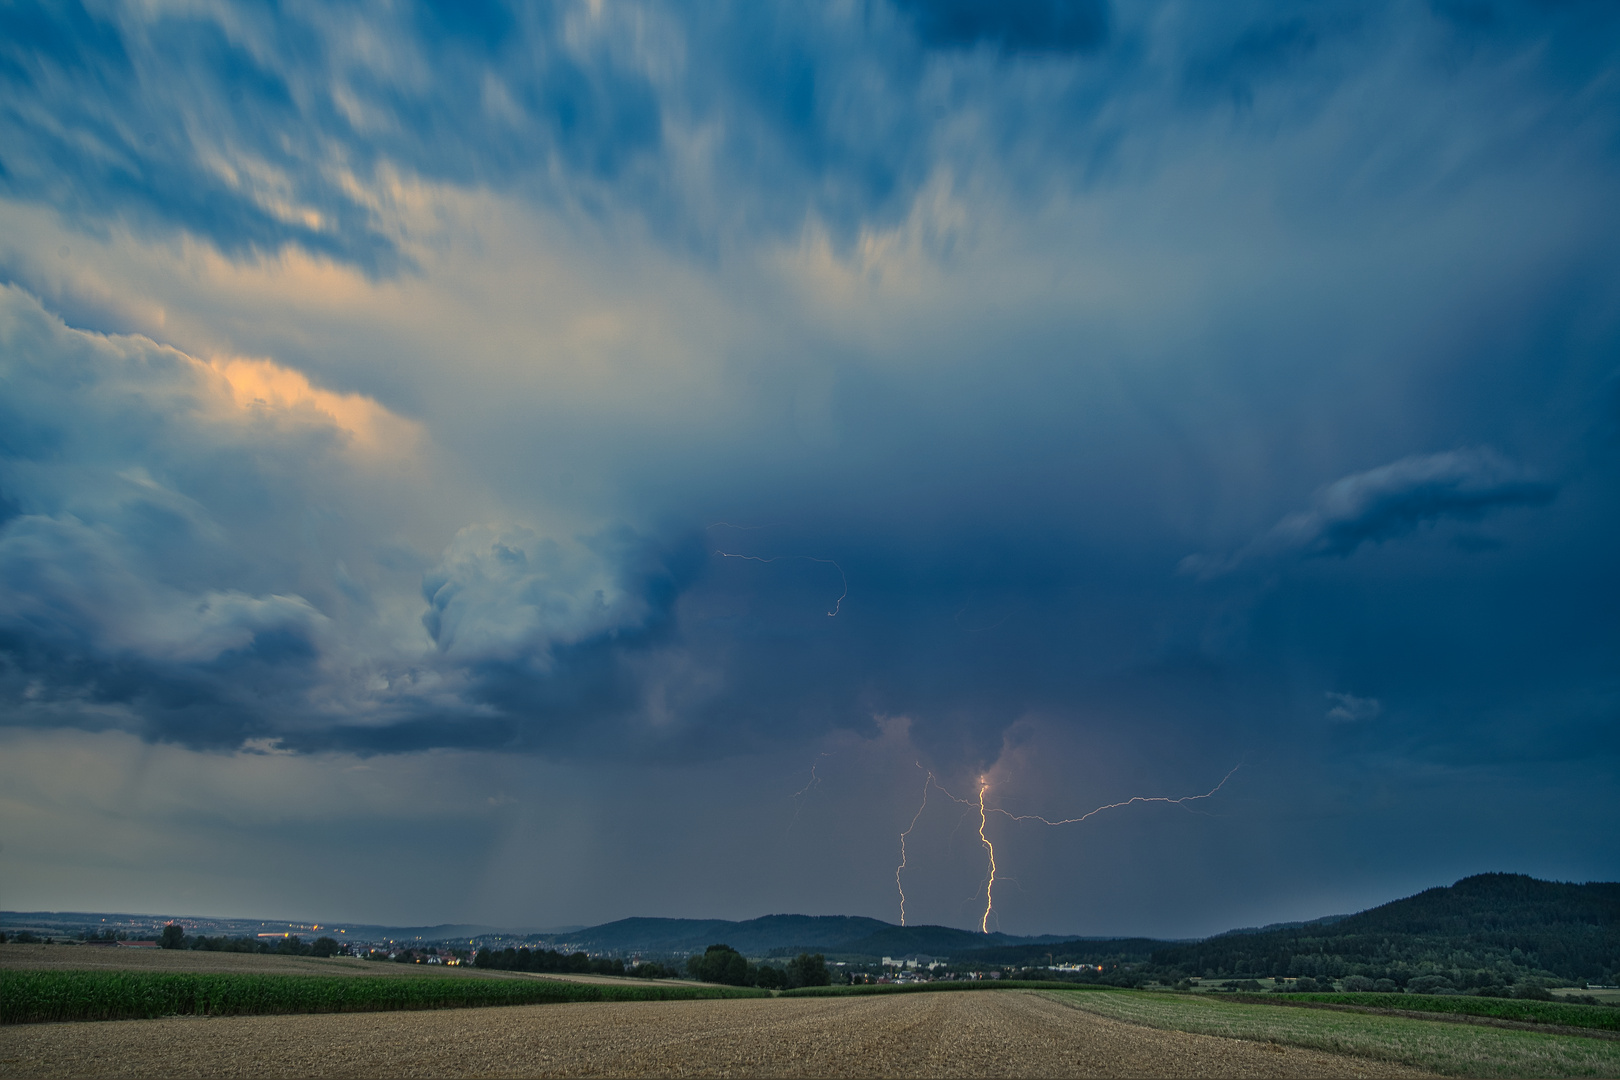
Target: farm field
(188,961)
(511,1024)
(89,958)
(1609,997)
(1005,1033)
(1447,1048)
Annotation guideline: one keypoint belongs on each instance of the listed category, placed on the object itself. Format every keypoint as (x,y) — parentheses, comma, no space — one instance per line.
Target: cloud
(217,553)
(504,592)
(70,584)
(260,130)
(1014,25)
(633,269)
(1352,709)
(150,571)
(462,321)
(1390,501)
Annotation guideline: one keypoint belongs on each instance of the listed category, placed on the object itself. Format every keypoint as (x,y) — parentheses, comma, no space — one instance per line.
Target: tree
(807,970)
(325,946)
(720,964)
(173,937)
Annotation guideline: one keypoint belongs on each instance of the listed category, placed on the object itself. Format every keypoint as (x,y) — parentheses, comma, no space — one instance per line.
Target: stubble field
(1005,1033)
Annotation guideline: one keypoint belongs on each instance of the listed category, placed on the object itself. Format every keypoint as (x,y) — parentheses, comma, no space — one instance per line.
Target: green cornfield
(28,997)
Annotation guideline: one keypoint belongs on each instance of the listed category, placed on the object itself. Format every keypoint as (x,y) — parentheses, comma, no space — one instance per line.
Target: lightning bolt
(815,781)
(914,819)
(986,810)
(989,885)
(837,605)
(930,782)
(1117,805)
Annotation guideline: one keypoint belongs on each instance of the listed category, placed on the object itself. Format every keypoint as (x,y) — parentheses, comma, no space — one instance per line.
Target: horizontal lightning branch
(1117,805)
(837,605)
(990,851)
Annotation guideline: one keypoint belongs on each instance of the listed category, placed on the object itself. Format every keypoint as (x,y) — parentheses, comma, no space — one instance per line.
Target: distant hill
(1484,931)
(1325,920)
(779,934)
(1485,927)
(1487,930)
(1106,951)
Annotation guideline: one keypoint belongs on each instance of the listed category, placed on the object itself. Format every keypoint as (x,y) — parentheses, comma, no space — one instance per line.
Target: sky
(541,463)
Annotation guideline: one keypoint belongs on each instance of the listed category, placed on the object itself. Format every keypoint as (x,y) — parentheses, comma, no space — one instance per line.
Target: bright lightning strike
(990,884)
(990,849)
(837,605)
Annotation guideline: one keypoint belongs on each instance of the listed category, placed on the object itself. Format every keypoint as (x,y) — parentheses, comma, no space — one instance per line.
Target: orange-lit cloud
(264,388)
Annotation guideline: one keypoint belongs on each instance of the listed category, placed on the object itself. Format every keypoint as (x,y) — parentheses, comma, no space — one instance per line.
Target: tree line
(174,936)
(550,961)
(717,964)
(725,965)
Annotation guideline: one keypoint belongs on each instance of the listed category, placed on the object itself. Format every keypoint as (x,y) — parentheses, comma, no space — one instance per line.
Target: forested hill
(841,934)
(1489,902)
(1482,931)
(1485,931)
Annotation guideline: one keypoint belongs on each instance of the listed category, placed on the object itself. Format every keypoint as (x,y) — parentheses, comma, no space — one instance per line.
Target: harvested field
(1008,1033)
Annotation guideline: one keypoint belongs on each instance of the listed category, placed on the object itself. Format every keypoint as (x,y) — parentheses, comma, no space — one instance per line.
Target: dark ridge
(1485,931)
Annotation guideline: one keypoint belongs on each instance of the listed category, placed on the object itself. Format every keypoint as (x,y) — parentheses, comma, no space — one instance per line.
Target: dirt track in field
(1000,1033)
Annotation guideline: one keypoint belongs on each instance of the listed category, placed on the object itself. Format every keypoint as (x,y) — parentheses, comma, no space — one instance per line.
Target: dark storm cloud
(465,324)
(1388,502)
(146,584)
(1008,514)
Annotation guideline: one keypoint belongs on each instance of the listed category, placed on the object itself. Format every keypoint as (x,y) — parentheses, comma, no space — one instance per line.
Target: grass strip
(1602,1017)
(1448,1048)
(936,987)
(47,996)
